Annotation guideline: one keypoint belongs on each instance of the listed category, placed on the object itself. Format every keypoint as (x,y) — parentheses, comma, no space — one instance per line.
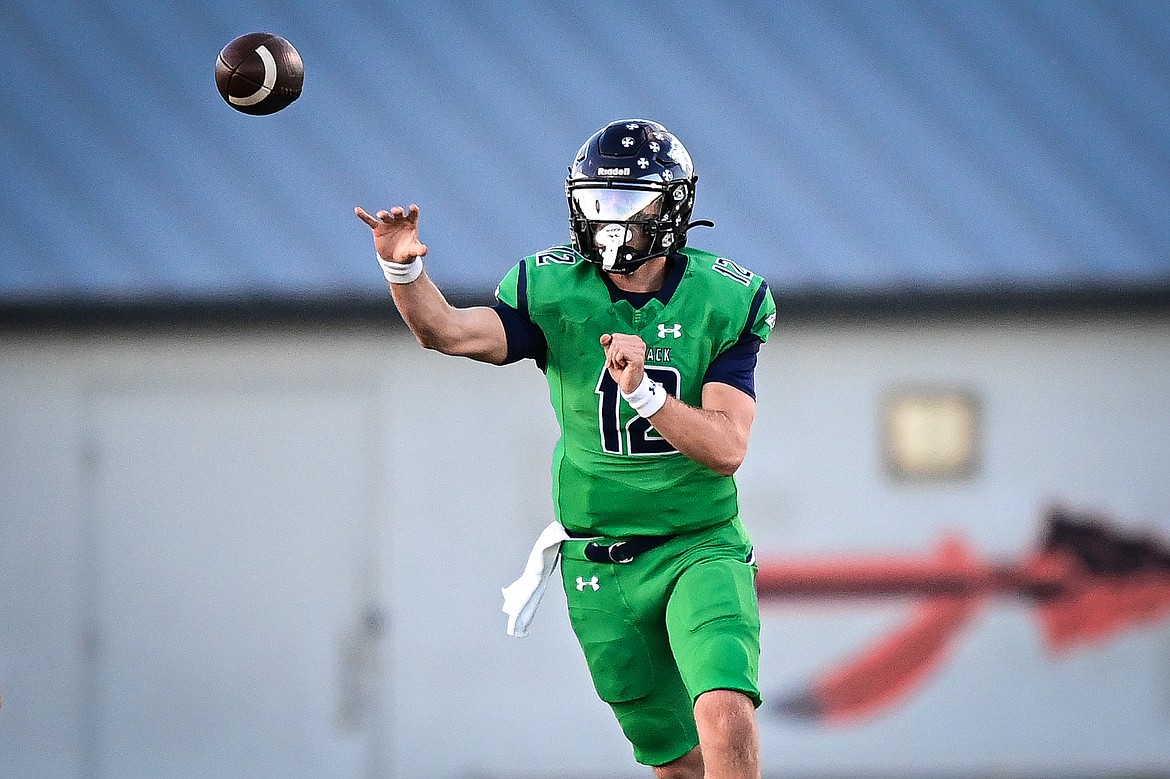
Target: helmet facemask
(622,226)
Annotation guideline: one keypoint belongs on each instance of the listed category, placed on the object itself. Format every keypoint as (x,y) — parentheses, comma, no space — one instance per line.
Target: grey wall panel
(177,506)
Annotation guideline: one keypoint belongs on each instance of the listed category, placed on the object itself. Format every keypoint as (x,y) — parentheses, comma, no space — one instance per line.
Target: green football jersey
(612,473)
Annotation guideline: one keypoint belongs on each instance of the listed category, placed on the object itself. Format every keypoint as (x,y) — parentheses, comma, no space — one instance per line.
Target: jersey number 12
(640,437)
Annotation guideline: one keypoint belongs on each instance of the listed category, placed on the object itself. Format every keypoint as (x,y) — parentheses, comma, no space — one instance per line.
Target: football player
(649,347)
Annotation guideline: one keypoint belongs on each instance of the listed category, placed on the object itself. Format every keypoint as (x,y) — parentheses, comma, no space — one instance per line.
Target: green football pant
(680,620)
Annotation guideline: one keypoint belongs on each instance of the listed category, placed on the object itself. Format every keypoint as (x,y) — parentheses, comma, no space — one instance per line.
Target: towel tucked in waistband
(522,596)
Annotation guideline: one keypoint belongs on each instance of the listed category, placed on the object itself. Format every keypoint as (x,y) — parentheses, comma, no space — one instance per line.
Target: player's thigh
(713,620)
(630,661)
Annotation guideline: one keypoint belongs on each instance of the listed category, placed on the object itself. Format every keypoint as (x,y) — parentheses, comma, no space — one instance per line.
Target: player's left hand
(625,359)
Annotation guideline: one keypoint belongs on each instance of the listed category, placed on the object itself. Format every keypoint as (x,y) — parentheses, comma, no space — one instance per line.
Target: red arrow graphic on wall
(1087,580)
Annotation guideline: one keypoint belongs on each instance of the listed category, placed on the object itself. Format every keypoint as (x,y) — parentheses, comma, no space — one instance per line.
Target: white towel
(522,596)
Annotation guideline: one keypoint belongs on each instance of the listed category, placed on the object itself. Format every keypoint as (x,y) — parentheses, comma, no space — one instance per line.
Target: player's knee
(727,721)
(727,709)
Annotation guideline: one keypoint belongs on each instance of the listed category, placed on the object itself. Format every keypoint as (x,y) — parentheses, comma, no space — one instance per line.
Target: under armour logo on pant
(675,330)
(582,584)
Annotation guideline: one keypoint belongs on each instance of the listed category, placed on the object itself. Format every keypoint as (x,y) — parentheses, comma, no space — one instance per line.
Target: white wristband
(401,272)
(647,398)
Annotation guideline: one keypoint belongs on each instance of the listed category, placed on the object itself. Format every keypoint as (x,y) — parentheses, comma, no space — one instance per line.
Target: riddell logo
(613,171)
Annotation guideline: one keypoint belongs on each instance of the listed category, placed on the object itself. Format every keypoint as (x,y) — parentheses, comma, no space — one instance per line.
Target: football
(259,73)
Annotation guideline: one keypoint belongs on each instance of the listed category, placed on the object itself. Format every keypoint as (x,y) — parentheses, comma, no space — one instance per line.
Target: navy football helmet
(630,189)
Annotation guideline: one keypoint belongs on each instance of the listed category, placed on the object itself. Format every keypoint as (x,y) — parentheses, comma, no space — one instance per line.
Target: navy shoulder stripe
(522,288)
(757,301)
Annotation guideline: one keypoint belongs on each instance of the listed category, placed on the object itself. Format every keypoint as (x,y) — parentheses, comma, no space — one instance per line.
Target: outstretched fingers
(395,232)
(384,217)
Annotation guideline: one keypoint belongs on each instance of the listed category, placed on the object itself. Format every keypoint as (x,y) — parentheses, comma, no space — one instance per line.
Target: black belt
(623,551)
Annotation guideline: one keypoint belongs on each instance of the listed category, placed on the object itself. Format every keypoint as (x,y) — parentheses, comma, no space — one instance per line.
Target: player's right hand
(395,233)
(625,359)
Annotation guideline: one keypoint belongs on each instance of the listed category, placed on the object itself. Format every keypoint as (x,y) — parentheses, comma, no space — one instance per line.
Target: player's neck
(647,277)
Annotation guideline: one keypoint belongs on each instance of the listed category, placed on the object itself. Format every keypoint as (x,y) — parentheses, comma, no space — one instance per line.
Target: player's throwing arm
(436,324)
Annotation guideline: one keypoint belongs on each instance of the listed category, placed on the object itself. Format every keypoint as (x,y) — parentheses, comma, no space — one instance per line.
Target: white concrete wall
(194,525)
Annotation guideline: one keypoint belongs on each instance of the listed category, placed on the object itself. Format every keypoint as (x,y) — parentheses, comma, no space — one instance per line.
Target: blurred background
(249,529)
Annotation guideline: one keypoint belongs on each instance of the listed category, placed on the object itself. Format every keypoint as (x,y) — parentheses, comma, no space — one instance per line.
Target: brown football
(259,73)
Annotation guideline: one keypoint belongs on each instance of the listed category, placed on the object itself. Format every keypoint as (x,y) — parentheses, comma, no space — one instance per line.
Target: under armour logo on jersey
(582,584)
(675,330)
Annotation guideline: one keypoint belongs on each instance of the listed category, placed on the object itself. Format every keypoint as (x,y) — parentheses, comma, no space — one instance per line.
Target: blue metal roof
(843,147)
